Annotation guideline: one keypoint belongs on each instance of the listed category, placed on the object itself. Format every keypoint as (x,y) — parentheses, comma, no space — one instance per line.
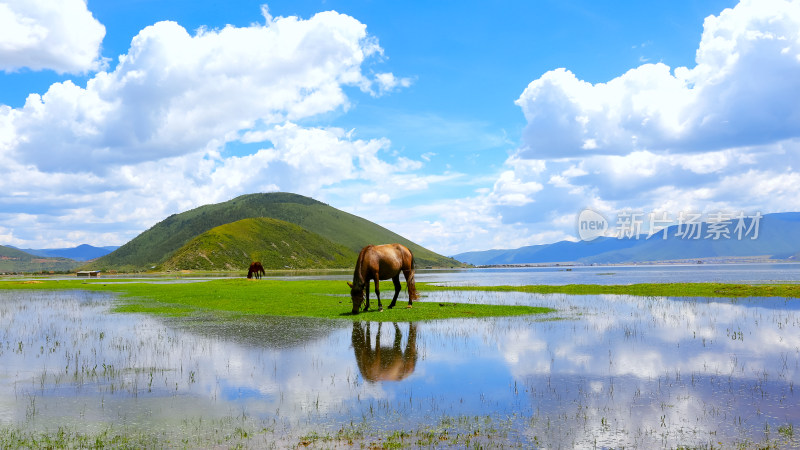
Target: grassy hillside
(13,260)
(276,243)
(156,245)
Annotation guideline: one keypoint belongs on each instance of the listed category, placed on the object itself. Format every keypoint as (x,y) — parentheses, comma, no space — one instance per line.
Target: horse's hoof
(380,310)
(408,307)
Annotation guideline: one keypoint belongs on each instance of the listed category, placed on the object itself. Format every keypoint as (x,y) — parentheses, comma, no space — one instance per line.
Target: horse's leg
(396,281)
(366,288)
(378,294)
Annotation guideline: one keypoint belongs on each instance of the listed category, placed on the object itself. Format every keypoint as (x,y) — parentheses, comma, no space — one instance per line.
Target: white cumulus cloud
(742,91)
(175,93)
(59,35)
(149,138)
(722,135)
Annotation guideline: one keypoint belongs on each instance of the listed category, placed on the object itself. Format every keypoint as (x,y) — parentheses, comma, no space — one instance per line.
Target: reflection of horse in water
(256,269)
(384,363)
(382,262)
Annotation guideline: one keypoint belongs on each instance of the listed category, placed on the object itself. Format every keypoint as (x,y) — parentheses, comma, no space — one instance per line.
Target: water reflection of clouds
(676,353)
(619,370)
(683,364)
(136,359)
(623,335)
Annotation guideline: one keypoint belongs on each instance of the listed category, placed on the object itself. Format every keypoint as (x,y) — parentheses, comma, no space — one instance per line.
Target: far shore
(566,265)
(670,262)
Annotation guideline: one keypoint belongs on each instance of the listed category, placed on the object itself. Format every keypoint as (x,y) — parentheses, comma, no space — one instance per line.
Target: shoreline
(717,260)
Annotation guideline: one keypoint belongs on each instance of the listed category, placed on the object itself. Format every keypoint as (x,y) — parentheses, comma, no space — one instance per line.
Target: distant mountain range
(291,231)
(15,260)
(82,252)
(778,238)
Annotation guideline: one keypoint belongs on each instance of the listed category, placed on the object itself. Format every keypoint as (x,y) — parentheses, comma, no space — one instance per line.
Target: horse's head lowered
(357,296)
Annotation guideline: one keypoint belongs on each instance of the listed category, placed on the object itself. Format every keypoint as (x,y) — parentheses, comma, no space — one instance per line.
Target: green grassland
(156,245)
(276,243)
(241,297)
(330,299)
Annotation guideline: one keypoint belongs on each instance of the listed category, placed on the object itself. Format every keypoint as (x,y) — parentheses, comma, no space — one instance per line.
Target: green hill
(276,243)
(156,245)
(13,260)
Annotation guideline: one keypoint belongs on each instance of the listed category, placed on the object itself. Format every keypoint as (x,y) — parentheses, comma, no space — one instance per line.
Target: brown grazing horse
(256,269)
(384,363)
(381,262)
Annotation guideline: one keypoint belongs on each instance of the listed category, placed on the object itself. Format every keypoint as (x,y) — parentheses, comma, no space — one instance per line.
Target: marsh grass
(301,298)
(217,434)
(448,432)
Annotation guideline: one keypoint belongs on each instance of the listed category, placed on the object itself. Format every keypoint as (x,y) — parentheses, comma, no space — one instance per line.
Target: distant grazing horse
(384,363)
(256,269)
(381,262)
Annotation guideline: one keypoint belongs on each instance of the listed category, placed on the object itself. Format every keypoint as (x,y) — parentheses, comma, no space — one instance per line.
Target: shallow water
(605,370)
(551,275)
(676,273)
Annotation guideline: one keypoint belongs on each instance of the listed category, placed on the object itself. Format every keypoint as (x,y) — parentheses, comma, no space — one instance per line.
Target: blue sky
(460,125)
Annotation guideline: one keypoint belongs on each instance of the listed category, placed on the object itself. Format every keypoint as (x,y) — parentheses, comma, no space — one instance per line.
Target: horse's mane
(358,274)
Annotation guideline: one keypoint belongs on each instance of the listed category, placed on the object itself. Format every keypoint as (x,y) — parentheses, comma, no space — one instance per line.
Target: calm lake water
(612,371)
(689,273)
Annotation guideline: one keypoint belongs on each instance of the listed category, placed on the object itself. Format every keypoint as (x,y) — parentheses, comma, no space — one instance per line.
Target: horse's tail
(411,285)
